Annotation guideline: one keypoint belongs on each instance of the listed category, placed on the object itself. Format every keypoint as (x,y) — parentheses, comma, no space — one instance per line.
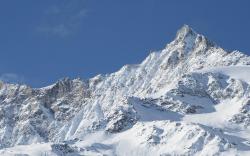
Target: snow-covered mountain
(191,98)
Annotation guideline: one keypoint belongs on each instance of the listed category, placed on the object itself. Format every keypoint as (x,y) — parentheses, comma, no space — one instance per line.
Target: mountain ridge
(180,85)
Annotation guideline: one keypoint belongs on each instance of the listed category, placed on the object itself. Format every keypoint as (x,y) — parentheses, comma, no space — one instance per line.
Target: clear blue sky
(43,41)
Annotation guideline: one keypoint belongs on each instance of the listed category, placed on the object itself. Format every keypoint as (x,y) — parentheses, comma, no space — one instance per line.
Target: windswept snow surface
(33,149)
(236,72)
(191,98)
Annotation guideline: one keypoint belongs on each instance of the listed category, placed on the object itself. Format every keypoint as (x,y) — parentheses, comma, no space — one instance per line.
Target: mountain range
(191,98)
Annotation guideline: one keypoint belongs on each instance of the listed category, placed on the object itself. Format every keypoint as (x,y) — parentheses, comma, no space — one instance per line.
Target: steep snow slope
(190,98)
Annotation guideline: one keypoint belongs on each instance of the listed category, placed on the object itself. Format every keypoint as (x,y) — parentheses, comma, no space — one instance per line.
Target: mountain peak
(184,32)
(191,38)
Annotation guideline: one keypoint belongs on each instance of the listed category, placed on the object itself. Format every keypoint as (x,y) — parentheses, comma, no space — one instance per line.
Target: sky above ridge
(43,41)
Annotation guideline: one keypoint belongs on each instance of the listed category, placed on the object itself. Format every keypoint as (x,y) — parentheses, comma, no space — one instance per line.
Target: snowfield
(191,98)
(236,72)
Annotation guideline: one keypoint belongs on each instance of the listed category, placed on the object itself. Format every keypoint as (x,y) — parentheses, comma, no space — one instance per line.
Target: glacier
(191,98)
